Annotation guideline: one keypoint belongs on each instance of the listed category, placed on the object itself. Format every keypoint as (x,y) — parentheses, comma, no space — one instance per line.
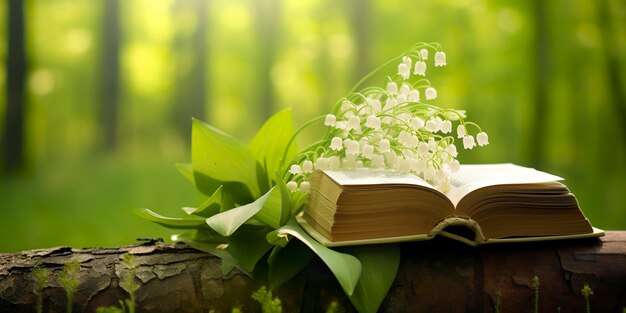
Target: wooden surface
(436,276)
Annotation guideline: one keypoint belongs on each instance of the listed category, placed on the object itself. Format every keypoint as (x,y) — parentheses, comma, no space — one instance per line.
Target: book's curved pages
(488,203)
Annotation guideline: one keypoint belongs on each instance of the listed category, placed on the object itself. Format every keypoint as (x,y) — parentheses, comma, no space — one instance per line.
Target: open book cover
(489,203)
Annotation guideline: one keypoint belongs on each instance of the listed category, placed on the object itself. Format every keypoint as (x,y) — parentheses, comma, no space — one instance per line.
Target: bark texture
(435,276)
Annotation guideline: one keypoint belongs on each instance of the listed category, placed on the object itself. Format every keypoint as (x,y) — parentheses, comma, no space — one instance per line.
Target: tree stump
(435,276)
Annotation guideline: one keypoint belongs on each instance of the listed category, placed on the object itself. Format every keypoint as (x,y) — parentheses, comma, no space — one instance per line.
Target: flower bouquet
(255,191)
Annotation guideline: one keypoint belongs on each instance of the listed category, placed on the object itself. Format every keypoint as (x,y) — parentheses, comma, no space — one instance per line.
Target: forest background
(97,96)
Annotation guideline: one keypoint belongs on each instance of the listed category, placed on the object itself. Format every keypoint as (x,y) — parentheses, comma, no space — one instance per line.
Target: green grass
(88,204)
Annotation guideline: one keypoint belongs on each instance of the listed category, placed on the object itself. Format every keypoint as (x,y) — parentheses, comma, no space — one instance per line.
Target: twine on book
(439,229)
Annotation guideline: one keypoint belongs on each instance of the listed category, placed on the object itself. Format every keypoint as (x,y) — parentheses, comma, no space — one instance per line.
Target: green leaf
(270,213)
(285,195)
(216,203)
(226,223)
(219,159)
(379,267)
(171,222)
(248,245)
(269,144)
(345,267)
(187,170)
(288,262)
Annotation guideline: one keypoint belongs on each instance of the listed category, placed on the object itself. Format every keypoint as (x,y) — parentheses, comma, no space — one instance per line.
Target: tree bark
(13,135)
(435,276)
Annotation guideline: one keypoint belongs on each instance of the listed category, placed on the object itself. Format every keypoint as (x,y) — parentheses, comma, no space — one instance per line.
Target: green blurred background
(110,88)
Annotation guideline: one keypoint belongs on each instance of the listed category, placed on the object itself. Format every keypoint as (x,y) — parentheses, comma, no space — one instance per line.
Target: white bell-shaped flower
(367,151)
(336,143)
(305,186)
(446,127)
(346,105)
(452,150)
(384,145)
(307,166)
(354,122)
(416,123)
(404,71)
(405,89)
(331,120)
(392,88)
(432,125)
(292,186)
(422,148)
(295,169)
(468,142)
(373,122)
(440,58)
(431,93)
(414,96)
(352,147)
(334,163)
(420,68)
(321,163)
(407,60)
(424,53)
(482,139)
(460,130)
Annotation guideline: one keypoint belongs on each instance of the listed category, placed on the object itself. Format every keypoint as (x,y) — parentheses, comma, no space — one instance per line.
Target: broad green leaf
(226,223)
(205,235)
(270,213)
(219,159)
(379,267)
(285,195)
(248,245)
(216,203)
(187,170)
(345,267)
(171,222)
(288,262)
(269,144)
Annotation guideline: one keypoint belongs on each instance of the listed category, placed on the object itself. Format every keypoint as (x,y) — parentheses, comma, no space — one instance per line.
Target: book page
(367,176)
(474,176)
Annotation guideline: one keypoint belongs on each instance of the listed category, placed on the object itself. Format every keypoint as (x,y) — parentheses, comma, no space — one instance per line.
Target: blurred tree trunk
(191,50)
(110,63)
(13,141)
(267,22)
(540,105)
(611,51)
(361,19)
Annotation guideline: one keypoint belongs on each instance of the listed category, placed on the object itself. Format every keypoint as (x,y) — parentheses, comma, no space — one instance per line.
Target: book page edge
(597,232)
(326,242)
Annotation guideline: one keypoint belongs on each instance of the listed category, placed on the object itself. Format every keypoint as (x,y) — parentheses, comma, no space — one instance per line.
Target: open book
(485,204)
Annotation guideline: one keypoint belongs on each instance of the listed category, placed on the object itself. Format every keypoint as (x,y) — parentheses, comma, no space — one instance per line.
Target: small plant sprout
(496,306)
(128,283)
(42,277)
(268,304)
(536,290)
(68,278)
(391,126)
(587,292)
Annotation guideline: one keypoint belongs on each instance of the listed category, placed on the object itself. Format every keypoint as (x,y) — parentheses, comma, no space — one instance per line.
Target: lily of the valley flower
(420,68)
(431,93)
(440,58)
(389,127)
(482,139)
(403,71)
